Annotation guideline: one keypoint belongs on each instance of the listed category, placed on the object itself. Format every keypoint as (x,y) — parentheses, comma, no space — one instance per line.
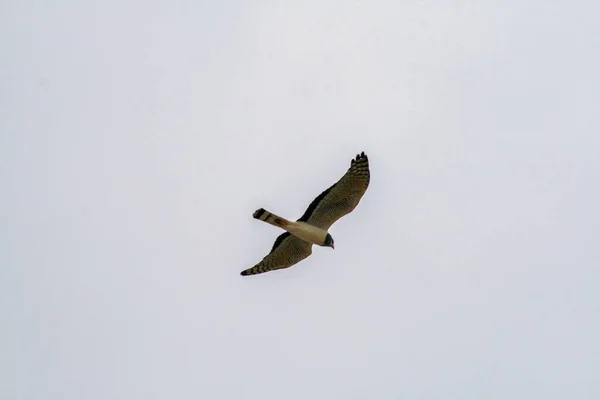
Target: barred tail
(270,218)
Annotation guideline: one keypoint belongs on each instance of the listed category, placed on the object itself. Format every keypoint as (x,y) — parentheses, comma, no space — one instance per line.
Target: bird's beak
(332,247)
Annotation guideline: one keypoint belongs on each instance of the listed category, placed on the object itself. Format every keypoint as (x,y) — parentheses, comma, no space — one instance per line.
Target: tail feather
(270,218)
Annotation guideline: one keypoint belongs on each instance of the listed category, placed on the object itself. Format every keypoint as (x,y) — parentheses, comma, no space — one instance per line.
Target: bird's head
(328,241)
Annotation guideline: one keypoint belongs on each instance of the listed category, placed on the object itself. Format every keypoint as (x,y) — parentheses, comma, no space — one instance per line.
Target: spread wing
(287,251)
(341,198)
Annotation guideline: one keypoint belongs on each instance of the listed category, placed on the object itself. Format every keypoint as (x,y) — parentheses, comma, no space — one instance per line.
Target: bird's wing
(341,198)
(287,251)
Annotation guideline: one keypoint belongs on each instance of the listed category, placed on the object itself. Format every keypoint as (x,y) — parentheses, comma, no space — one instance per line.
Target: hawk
(296,244)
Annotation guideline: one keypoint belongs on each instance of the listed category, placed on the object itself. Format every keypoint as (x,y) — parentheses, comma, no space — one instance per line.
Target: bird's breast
(307,232)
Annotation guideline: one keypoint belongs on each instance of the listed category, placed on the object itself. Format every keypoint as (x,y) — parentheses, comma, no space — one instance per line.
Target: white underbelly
(307,232)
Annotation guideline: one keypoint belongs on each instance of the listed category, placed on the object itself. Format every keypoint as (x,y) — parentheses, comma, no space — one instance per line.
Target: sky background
(138,137)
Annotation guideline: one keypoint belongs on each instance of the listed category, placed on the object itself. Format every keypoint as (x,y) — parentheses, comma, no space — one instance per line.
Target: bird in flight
(296,244)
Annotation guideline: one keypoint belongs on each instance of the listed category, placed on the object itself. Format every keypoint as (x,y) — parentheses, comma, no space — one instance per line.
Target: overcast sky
(138,137)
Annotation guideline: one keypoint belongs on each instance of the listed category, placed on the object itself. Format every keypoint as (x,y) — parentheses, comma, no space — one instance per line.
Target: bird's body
(307,232)
(312,228)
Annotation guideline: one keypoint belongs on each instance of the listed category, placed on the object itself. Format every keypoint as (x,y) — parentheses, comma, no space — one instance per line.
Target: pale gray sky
(137,138)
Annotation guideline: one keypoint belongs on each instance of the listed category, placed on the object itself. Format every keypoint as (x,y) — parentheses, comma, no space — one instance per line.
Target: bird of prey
(296,244)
